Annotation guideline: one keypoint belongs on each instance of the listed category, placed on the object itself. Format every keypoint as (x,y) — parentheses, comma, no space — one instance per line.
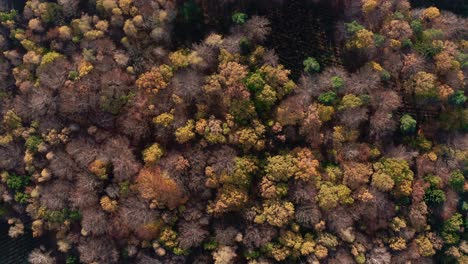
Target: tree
(276,213)
(423,85)
(185,133)
(328,98)
(407,124)
(362,39)
(239,18)
(451,228)
(311,65)
(224,255)
(383,182)
(307,165)
(430,13)
(457,181)
(228,199)
(425,246)
(398,170)
(97,250)
(398,29)
(152,154)
(38,257)
(337,82)
(331,195)
(356,174)
(458,98)
(280,168)
(434,196)
(155,80)
(155,184)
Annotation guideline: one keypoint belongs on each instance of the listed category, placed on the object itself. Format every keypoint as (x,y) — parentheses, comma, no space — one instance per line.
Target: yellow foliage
(152,154)
(250,138)
(397,223)
(430,13)
(130,29)
(125,5)
(382,181)
(156,79)
(397,243)
(183,58)
(99,168)
(49,58)
(185,133)
(214,40)
(362,39)
(84,68)
(279,253)
(93,34)
(108,205)
(276,213)
(321,252)
(368,5)
(394,43)
(168,237)
(164,119)
(229,199)
(65,32)
(425,247)
(325,112)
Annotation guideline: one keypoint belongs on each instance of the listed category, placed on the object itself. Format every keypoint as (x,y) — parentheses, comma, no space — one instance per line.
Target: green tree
(311,65)
(239,18)
(353,27)
(451,229)
(458,98)
(255,82)
(328,98)
(337,82)
(407,124)
(434,196)
(457,180)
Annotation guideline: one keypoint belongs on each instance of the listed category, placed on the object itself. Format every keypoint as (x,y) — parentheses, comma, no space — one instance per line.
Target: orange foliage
(154,184)
(155,80)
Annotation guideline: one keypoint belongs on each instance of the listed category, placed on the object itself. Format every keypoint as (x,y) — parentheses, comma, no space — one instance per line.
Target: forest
(234,131)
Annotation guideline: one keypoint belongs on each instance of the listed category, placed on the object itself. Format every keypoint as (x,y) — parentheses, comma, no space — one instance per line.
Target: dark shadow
(302,29)
(459,7)
(6,5)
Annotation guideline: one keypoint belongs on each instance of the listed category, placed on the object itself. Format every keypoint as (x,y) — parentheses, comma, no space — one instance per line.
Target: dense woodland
(209,131)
